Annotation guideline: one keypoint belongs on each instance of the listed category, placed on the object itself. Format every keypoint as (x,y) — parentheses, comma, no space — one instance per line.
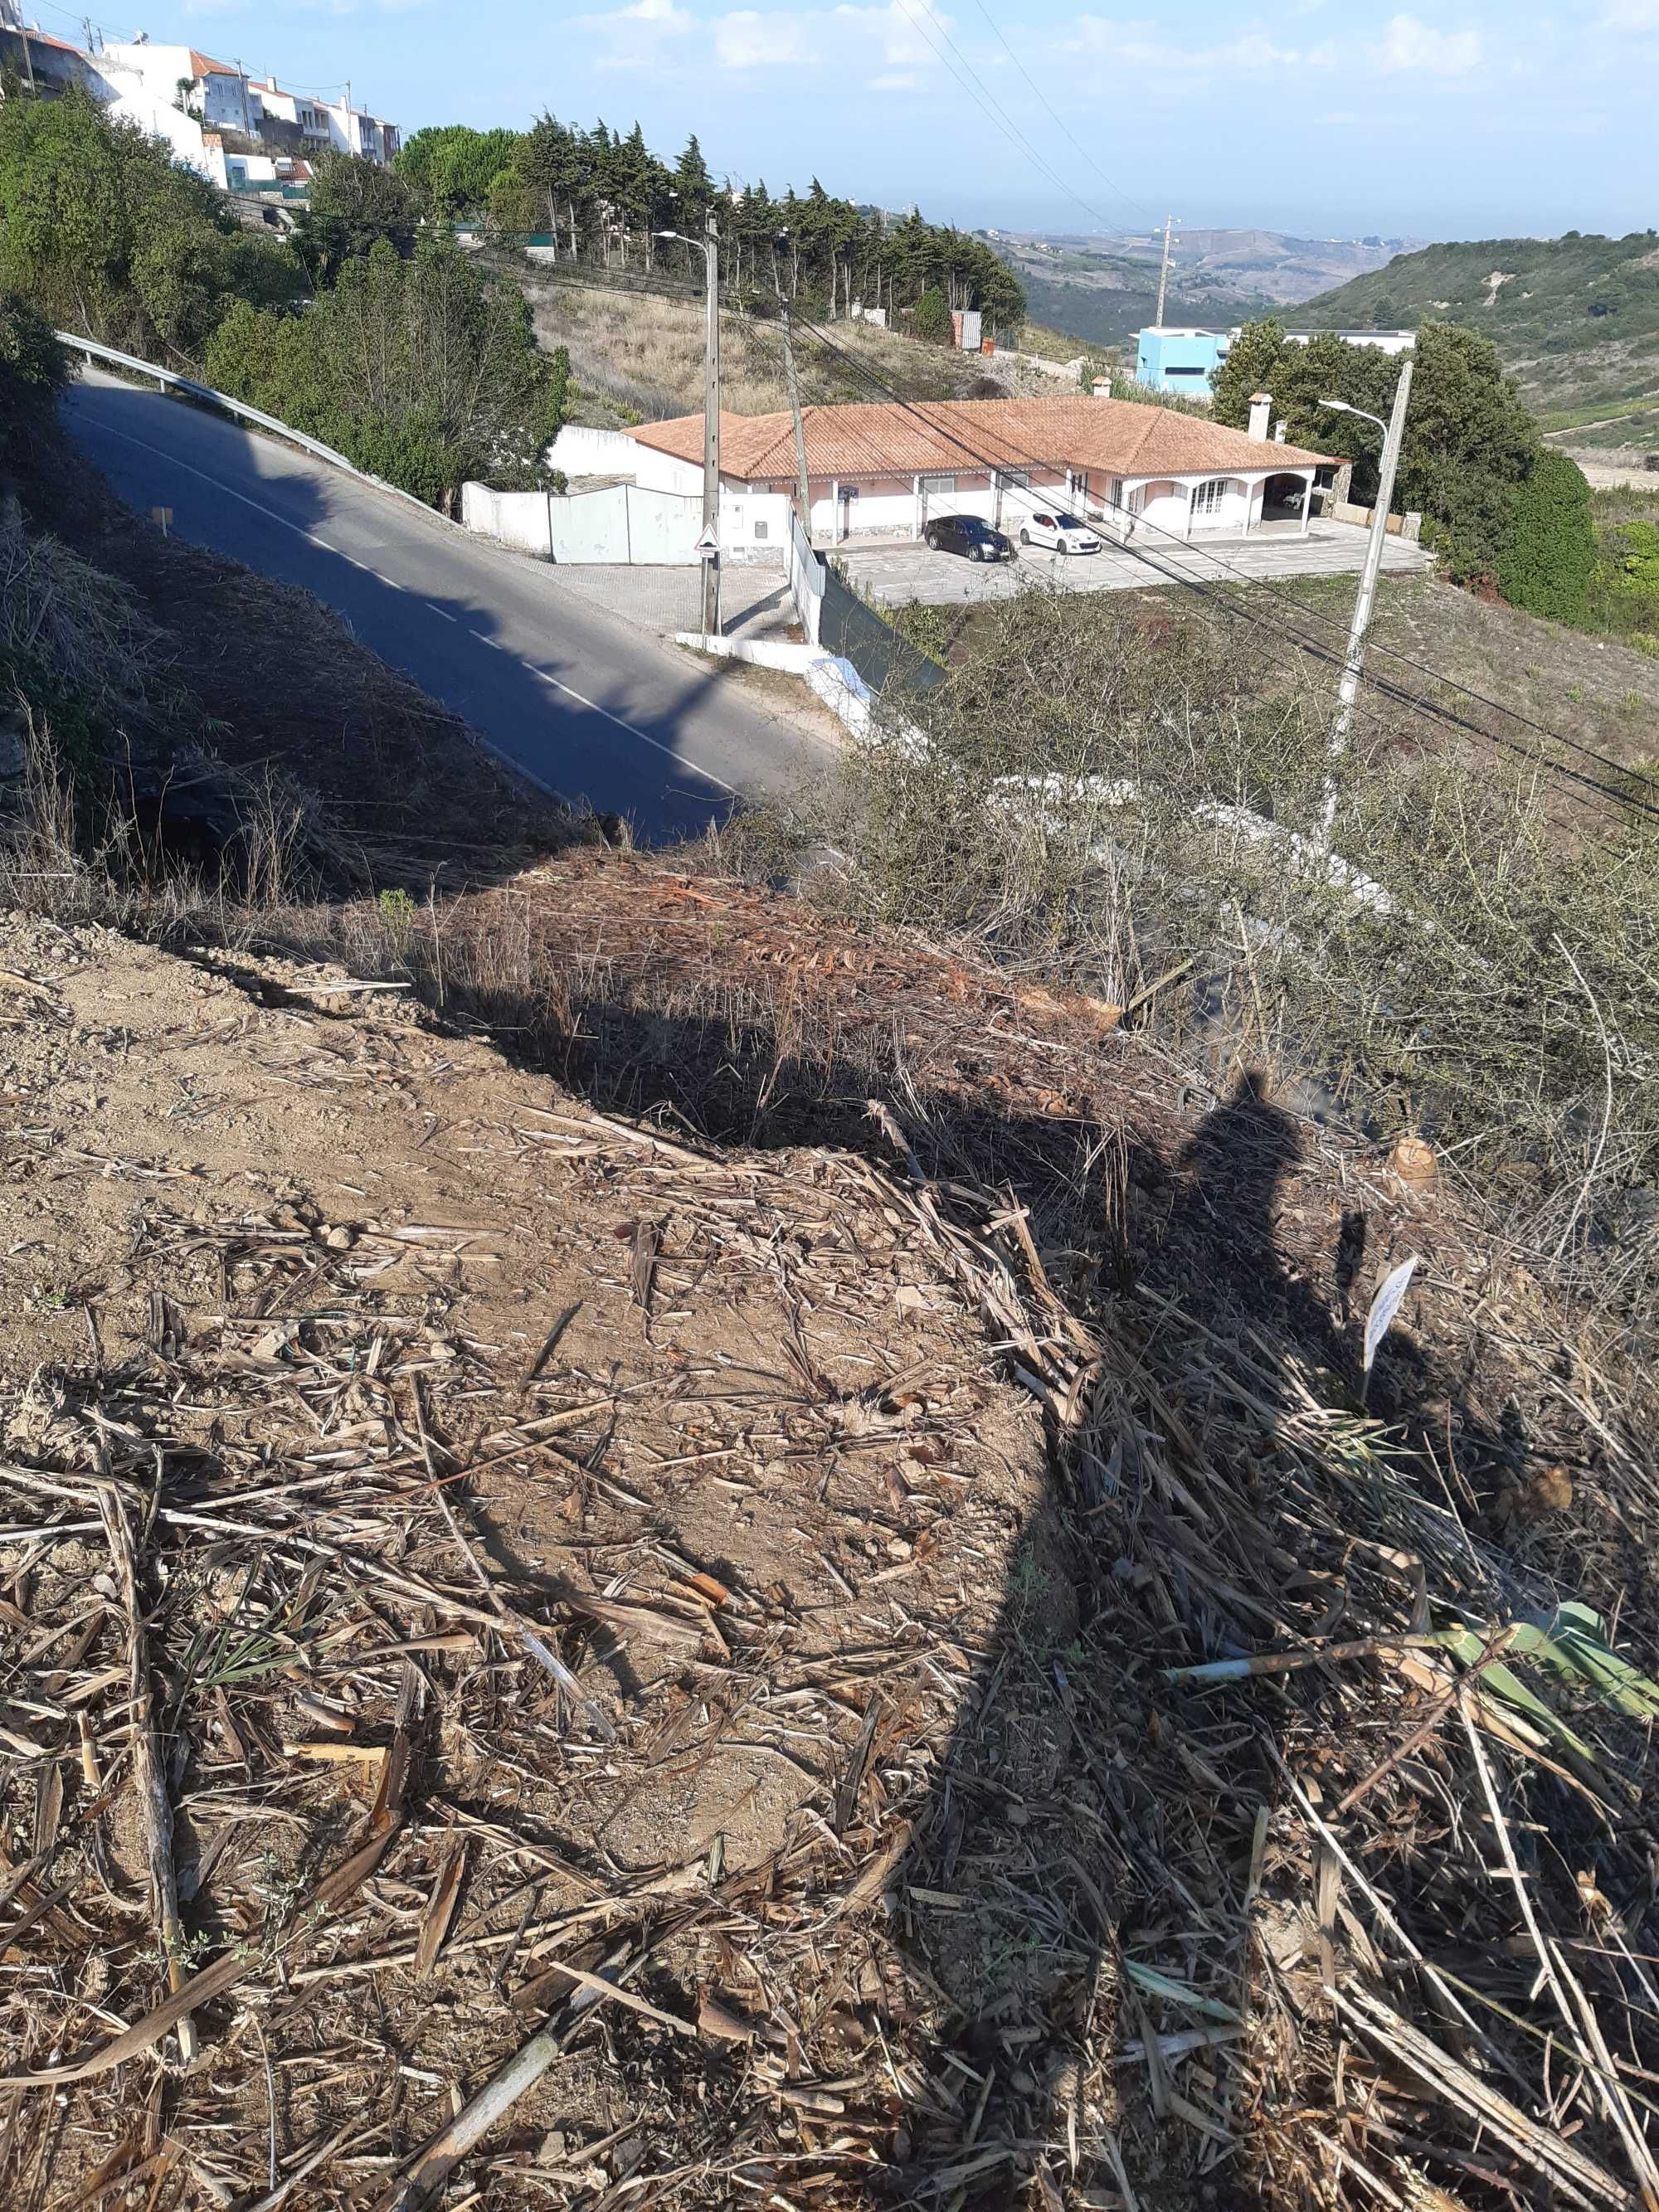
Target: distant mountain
(1102,286)
(1575,318)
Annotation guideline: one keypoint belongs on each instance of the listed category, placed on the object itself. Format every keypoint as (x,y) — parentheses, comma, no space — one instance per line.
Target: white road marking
(683,759)
(431,610)
(593,706)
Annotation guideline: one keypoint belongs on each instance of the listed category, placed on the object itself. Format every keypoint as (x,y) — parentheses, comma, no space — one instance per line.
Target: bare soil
(746,1574)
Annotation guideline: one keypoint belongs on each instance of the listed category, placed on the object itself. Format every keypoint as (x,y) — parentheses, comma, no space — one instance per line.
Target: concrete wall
(581,452)
(624,524)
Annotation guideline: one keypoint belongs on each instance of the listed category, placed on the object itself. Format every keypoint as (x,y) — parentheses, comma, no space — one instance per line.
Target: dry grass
(637,357)
(815,1811)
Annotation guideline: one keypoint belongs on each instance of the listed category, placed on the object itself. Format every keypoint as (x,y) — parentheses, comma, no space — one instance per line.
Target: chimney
(1102,386)
(1261,406)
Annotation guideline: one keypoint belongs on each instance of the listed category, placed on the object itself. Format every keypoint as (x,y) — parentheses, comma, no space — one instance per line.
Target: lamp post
(709,246)
(1348,690)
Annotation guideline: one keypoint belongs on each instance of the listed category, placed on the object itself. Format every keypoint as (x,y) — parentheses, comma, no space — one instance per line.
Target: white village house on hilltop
(230,127)
(885,468)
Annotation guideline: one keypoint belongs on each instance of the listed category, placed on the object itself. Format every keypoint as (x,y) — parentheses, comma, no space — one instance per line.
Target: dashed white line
(444,611)
(682,760)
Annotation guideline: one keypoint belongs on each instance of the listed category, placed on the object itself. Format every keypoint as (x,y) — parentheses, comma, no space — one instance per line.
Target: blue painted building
(1180,360)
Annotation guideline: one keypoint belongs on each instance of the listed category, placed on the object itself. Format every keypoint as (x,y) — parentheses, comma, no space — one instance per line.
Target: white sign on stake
(1385,1304)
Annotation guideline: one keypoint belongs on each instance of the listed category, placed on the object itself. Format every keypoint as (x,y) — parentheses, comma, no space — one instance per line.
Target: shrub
(930,319)
(1547,552)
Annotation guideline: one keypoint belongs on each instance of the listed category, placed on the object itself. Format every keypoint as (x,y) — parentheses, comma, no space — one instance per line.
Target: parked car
(1060,533)
(967,535)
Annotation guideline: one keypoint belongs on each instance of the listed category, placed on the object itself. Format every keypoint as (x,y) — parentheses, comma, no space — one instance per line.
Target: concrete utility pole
(1170,222)
(711,430)
(804,497)
(709,246)
(1394,431)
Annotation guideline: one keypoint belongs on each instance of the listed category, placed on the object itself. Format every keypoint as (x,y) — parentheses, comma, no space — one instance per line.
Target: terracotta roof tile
(204,65)
(1119,437)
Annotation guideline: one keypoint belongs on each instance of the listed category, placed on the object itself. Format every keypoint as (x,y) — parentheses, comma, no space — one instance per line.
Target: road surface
(589,707)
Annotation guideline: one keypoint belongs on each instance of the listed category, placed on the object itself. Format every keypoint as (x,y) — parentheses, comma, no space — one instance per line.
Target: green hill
(1575,318)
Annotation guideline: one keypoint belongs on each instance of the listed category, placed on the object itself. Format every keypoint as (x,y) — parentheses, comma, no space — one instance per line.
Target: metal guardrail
(170,380)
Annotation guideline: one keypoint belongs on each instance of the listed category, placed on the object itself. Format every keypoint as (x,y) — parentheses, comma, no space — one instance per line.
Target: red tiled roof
(1119,437)
(43,39)
(204,65)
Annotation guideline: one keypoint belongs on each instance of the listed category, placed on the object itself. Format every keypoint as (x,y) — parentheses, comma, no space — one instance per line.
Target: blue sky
(1477,118)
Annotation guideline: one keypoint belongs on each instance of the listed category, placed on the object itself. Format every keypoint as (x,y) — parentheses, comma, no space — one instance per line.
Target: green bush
(1547,552)
(424,371)
(931,319)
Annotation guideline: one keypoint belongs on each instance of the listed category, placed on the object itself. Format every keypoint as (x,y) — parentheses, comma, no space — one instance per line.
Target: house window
(1010,480)
(1207,498)
(947,485)
(1117,491)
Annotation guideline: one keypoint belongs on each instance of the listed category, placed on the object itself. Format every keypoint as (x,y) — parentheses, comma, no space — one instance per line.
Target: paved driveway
(893,576)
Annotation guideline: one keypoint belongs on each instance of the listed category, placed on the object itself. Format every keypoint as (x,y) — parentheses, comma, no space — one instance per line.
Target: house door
(844,519)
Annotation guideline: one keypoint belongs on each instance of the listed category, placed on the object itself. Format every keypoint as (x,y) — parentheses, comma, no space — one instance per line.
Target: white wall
(625,524)
(655,471)
(581,452)
(518,519)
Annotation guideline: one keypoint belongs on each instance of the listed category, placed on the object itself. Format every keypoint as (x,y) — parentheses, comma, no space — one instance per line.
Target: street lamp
(709,248)
(1394,432)
(1341,407)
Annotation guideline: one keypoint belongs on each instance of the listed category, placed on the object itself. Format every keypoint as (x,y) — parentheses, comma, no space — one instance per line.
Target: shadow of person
(1023,1855)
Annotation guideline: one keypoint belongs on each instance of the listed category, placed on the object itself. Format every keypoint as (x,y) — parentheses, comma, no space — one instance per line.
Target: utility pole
(711,430)
(1394,431)
(709,246)
(804,497)
(1164,272)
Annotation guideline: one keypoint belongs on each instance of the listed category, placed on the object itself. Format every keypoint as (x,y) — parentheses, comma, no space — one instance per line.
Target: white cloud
(892,38)
(894,80)
(1631,15)
(1141,45)
(635,35)
(747,39)
(1408,43)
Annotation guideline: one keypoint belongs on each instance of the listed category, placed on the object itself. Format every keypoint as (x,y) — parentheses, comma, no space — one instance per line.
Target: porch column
(1307,501)
(1187,527)
(834,510)
(1249,502)
(915,489)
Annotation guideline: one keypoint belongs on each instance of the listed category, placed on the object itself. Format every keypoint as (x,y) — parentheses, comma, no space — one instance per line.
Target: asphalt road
(589,707)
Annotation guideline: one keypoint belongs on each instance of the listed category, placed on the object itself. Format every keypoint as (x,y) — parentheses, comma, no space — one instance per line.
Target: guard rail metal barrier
(170,380)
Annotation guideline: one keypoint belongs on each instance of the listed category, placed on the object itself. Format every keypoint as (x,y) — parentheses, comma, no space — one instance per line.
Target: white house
(354,131)
(885,468)
(290,119)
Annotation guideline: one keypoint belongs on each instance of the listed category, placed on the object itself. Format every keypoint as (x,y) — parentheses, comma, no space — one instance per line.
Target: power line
(1299,638)
(1060,120)
(1626,798)
(974,86)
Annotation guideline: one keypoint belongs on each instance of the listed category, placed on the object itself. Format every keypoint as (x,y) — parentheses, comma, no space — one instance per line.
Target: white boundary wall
(581,452)
(621,525)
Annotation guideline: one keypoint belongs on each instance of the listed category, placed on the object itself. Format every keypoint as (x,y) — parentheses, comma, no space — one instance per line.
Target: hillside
(637,356)
(1575,318)
(1102,288)
(663,1545)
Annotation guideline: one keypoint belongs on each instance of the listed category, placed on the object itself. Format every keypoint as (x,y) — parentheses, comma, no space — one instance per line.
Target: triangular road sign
(707,545)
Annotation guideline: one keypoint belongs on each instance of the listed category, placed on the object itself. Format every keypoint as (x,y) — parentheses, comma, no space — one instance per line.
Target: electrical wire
(1060,120)
(974,86)
(1301,638)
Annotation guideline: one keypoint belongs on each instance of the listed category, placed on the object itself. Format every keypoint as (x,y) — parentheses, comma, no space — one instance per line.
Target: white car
(1060,533)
